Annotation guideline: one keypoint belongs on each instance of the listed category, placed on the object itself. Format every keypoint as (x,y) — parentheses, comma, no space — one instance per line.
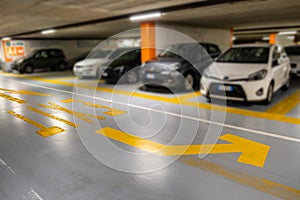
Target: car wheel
(29,69)
(286,86)
(132,76)
(62,66)
(269,98)
(189,81)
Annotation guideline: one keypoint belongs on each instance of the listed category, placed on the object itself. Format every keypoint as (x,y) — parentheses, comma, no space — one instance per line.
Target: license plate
(150,76)
(225,88)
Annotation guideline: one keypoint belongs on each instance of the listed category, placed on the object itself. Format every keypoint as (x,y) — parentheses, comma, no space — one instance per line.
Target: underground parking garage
(150,100)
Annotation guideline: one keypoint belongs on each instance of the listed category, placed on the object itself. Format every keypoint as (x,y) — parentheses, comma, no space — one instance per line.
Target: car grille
(236,91)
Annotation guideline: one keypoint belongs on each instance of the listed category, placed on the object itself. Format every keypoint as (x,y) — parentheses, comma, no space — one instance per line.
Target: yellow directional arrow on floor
(44,131)
(252,153)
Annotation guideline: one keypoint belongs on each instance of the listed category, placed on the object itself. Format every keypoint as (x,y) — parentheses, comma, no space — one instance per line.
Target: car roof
(253,45)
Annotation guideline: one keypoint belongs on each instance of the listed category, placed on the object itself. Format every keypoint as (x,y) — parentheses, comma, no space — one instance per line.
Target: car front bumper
(79,71)
(234,90)
(167,79)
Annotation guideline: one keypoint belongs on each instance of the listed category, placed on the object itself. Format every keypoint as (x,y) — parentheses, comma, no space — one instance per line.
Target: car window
(99,54)
(292,50)
(118,52)
(212,49)
(276,54)
(245,55)
(54,53)
(41,54)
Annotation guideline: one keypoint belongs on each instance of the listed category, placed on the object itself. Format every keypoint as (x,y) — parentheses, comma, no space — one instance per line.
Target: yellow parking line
(255,114)
(286,105)
(190,95)
(20,101)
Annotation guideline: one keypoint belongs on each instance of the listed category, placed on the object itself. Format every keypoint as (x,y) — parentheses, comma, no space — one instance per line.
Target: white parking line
(258,132)
(32,195)
(2,163)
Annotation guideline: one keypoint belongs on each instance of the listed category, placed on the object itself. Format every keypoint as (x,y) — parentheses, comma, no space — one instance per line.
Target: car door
(41,59)
(278,67)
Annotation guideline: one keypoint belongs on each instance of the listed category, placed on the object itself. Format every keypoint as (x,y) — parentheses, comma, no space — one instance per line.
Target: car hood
(233,71)
(90,61)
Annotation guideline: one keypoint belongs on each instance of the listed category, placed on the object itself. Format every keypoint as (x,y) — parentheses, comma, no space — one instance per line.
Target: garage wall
(220,37)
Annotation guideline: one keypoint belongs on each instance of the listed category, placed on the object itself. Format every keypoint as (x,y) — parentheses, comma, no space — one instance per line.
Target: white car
(293,53)
(247,73)
(97,61)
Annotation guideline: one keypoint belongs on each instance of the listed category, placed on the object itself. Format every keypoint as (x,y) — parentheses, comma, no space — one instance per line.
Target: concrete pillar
(148,41)
(272,38)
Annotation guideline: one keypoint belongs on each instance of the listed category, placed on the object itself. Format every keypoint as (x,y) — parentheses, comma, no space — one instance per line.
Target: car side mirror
(275,63)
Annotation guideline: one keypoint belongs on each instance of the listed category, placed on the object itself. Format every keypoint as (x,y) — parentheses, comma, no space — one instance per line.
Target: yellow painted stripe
(19,101)
(44,131)
(252,153)
(26,92)
(286,105)
(190,95)
(269,116)
(259,183)
(52,116)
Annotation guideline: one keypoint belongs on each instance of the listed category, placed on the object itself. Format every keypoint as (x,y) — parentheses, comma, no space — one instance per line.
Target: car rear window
(246,55)
(99,54)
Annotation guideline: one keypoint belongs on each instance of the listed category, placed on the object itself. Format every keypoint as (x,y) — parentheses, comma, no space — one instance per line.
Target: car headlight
(119,68)
(207,73)
(174,66)
(258,75)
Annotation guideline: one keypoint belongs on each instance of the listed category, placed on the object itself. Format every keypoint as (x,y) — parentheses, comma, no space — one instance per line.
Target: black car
(125,67)
(53,59)
(179,65)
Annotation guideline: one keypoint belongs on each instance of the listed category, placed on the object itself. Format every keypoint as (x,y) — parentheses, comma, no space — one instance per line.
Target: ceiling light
(266,38)
(287,33)
(145,16)
(233,38)
(6,38)
(49,31)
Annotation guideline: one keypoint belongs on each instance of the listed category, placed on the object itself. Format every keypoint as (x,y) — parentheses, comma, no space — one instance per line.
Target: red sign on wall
(13,49)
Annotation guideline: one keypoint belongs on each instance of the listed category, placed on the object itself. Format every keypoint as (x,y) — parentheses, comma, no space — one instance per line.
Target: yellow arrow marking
(80,115)
(26,92)
(20,101)
(44,131)
(110,112)
(252,153)
(52,116)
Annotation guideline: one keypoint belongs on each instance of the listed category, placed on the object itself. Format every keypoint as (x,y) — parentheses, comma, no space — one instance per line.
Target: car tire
(189,81)
(28,69)
(132,76)
(62,66)
(269,98)
(287,85)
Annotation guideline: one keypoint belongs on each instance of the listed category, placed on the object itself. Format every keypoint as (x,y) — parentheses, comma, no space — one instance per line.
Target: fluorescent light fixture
(6,38)
(145,16)
(233,38)
(287,33)
(266,38)
(49,31)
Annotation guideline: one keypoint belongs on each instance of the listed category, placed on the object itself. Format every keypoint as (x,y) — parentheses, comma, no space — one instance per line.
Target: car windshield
(245,55)
(99,54)
(178,50)
(292,50)
(118,52)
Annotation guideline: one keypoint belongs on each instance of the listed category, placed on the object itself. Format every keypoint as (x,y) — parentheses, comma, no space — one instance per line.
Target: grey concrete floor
(80,163)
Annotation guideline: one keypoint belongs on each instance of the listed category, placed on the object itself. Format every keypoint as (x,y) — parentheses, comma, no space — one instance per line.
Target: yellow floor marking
(83,116)
(52,116)
(26,92)
(66,78)
(286,105)
(111,111)
(19,101)
(252,153)
(189,95)
(44,131)
(267,186)
(263,115)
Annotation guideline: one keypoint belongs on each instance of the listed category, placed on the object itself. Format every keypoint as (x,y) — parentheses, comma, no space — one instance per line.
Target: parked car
(96,62)
(247,73)
(293,53)
(171,70)
(125,67)
(39,59)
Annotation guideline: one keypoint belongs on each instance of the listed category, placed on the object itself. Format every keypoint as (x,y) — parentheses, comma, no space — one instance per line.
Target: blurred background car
(293,53)
(53,59)
(247,73)
(124,67)
(179,65)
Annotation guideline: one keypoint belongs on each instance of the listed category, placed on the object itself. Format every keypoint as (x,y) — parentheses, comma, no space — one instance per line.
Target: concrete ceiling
(17,17)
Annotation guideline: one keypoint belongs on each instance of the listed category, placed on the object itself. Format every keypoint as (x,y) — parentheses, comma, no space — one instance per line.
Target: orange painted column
(272,39)
(148,41)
